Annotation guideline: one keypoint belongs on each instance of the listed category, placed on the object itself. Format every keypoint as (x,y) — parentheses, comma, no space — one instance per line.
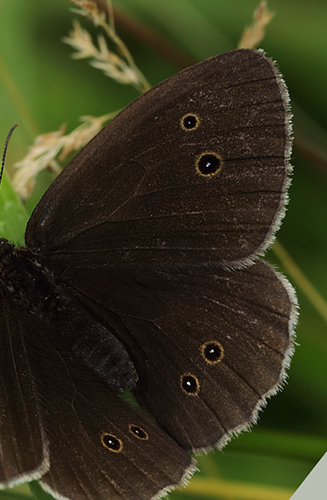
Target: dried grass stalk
(253,35)
(118,63)
(49,147)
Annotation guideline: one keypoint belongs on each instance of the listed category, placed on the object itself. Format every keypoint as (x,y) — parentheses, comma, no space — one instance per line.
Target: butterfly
(141,271)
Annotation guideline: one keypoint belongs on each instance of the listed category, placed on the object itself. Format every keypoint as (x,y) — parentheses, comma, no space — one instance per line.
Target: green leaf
(38,492)
(13,216)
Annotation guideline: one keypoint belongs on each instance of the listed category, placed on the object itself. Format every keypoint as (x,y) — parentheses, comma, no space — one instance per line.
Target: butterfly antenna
(5,149)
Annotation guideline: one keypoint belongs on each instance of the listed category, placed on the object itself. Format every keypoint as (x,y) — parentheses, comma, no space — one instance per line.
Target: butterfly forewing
(195,170)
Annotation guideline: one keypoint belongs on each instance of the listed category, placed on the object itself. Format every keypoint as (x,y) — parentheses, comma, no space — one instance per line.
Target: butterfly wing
(23,446)
(195,170)
(100,447)
(209,345)
(60,422)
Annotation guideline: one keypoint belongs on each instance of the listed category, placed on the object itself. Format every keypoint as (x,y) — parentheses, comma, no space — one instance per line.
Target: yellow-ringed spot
(138,432)
(212,352)
(189,384)
(208,164)
(190,122)
(113,443)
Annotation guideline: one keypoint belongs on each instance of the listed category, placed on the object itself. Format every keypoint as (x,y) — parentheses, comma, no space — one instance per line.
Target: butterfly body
(21,277)
(140,271)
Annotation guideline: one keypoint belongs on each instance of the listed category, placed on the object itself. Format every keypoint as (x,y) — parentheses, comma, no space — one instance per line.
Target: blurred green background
(42,87)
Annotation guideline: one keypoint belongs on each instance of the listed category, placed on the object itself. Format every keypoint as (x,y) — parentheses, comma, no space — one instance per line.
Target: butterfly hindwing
(23,445)
(62,424)
(170,321)
(100,447)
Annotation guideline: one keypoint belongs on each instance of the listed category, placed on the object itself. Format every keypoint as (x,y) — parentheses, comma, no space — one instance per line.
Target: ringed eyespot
(138,432)
(212,352)
(112,442)
(190,122)
(190,384)
(208,164)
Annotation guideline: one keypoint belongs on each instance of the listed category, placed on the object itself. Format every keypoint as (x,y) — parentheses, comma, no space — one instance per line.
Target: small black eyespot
(212,351)
(138,432)
(208,164)
(112,442)
(190,384)
(190,122)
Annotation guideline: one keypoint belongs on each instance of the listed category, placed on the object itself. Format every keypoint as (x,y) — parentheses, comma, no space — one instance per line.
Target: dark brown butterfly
(140,271)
